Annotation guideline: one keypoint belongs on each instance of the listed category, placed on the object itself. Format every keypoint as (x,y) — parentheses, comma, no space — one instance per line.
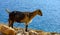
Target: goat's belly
(19,21)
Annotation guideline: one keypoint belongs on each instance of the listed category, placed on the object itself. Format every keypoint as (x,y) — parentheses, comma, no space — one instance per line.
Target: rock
(7,30)
(33,32)
(54,33)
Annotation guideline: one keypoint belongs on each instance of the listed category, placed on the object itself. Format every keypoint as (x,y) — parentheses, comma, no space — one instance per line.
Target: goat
(22,17)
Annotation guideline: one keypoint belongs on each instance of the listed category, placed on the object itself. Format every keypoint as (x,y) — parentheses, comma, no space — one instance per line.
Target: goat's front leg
(10,23)
(26,28)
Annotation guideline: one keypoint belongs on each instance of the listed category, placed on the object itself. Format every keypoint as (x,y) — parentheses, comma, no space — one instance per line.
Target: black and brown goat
(22,17)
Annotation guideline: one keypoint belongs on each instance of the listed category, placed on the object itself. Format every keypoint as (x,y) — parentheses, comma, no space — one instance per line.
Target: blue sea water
(50,21)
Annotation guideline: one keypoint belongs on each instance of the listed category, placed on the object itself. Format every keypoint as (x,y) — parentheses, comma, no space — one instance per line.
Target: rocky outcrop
(5,30)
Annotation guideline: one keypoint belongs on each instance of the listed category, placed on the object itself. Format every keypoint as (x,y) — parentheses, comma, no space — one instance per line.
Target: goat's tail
(7,10)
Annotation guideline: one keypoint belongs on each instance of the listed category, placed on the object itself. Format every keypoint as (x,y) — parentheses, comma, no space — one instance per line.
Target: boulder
(7,30)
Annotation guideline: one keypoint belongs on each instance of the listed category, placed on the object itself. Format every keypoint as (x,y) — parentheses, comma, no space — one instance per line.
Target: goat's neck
(33,14)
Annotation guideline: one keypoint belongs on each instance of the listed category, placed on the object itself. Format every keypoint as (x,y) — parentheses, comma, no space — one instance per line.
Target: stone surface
(5,30)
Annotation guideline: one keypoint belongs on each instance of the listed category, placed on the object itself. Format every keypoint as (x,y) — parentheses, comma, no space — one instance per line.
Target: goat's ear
(7,10)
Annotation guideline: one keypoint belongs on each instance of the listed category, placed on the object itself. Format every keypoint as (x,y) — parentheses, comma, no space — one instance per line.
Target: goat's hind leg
(10,23)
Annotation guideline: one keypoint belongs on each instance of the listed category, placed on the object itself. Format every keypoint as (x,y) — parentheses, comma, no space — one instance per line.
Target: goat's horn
(7,10)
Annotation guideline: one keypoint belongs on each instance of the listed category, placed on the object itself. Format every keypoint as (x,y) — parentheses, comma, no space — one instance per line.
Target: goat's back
(16,15)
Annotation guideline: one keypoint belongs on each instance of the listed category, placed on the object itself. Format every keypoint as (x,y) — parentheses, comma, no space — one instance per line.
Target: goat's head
(39,12)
